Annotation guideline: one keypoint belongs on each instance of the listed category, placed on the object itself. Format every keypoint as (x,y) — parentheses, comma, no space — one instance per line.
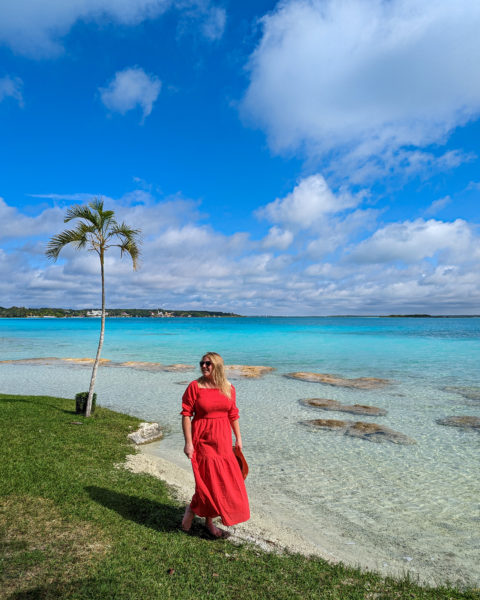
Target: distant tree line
(23,312)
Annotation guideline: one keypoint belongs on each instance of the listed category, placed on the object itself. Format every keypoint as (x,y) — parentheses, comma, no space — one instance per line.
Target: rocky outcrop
(247,371)
(465,422)
(372,432)
(233,371)
(146,433)
(354,409)
(363,383)
(52,360)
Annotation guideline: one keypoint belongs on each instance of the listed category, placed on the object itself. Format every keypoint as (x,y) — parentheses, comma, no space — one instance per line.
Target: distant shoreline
(61,313)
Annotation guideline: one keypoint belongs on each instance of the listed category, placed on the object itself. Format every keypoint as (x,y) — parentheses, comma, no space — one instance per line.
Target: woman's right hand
(188,450)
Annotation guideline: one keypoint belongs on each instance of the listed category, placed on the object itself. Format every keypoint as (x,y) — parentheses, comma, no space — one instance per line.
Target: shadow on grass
(156,515)
(83,588)
(143,511)
(15,400)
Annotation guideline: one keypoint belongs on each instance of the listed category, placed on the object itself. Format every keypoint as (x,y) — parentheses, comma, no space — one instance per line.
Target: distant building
(95,313)
(160,314)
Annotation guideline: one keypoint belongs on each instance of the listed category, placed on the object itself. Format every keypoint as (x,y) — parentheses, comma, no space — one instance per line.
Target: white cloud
(438,205)
(278,238)
(11,87)
(130,88)
(37,29)
(15,225)
(356,82)
(412,241)
(413,266)
(310,201)
(214,23)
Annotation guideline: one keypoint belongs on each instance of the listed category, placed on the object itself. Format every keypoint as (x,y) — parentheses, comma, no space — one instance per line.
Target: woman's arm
(187,434)
(238,436)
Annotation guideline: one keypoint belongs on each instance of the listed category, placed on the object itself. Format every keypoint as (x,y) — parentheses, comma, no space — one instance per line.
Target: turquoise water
(386,506)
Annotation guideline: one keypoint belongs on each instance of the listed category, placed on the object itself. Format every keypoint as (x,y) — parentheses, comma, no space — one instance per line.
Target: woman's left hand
(238,444)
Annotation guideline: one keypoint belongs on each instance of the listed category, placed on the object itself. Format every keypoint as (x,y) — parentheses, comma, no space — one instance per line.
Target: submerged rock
(247,371)
(48,360)
(465,422)
(468,392)
(363,383)
(354,409)
(233,371)
(372,432)
(155,367)
(146,433)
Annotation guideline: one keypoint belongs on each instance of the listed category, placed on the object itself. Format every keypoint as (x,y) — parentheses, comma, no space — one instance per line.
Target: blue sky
(304,157)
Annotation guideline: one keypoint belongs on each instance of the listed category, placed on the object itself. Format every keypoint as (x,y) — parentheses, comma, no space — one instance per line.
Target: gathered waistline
(217,417)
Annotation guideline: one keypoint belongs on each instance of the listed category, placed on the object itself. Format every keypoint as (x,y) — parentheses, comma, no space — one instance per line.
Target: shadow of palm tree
(149,513)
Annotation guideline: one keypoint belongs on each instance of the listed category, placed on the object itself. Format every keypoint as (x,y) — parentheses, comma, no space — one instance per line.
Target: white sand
(260,529)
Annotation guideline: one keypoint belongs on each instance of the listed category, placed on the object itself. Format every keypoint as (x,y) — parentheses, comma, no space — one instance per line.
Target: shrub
(81,402)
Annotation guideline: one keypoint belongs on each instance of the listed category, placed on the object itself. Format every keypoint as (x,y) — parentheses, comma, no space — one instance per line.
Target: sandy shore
(260,529)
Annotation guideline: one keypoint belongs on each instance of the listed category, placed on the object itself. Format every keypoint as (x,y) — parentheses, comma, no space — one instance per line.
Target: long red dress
(219,487)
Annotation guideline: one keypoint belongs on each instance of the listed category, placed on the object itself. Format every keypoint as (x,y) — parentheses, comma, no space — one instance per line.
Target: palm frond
(77,237)
(79,211)
(130,241)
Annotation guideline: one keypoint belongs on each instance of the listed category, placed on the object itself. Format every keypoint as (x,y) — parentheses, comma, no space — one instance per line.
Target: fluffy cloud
(130,88)
(11,87)
(36,28)
(310,200)
(411,266)
(278,238)
(15,225)
(357,82)
(412,241)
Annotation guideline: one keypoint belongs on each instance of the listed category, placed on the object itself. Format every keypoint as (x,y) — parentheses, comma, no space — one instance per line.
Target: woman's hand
(238,443)
(188,449)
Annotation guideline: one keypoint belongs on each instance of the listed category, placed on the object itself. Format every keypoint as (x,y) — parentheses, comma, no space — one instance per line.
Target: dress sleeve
(233,413)
(188,400)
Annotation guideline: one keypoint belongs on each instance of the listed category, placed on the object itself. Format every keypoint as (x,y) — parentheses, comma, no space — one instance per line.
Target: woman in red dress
(219,487)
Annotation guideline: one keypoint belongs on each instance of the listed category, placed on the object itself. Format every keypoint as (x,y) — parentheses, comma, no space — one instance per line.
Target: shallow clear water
(390,506)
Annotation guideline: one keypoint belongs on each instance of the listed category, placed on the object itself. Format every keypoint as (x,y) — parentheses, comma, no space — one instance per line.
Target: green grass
(73,525)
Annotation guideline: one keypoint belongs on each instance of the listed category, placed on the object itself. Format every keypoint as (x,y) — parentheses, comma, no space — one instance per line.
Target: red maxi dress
(219,487)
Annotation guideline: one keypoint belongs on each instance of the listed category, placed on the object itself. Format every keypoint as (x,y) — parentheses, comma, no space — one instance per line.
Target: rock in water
(466,422)
(468,392)
(362,383)
(372,432)
(247,371)
(354,409)
(146,433)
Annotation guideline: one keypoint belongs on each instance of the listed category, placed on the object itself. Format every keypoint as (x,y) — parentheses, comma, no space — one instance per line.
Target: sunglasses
(205,363)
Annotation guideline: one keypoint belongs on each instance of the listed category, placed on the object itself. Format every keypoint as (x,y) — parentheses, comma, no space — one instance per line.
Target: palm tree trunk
(100,343)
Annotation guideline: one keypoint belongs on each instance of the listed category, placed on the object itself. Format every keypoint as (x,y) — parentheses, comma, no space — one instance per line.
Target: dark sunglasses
(207,363)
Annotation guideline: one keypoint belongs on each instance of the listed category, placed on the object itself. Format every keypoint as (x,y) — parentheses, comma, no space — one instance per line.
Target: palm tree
(97,231)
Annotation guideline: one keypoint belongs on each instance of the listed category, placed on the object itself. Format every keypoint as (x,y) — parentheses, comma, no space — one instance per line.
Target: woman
(219,487)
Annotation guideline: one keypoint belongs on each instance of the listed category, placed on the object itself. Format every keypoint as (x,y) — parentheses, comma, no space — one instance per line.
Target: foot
(214,530)
(188,518)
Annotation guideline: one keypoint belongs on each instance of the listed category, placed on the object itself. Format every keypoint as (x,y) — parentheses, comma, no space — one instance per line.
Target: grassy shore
(75,524)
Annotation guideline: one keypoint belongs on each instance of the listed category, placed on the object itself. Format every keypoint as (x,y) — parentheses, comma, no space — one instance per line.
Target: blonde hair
(218,374)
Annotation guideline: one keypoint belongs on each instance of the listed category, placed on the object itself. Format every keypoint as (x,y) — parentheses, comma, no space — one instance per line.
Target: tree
(97,231)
